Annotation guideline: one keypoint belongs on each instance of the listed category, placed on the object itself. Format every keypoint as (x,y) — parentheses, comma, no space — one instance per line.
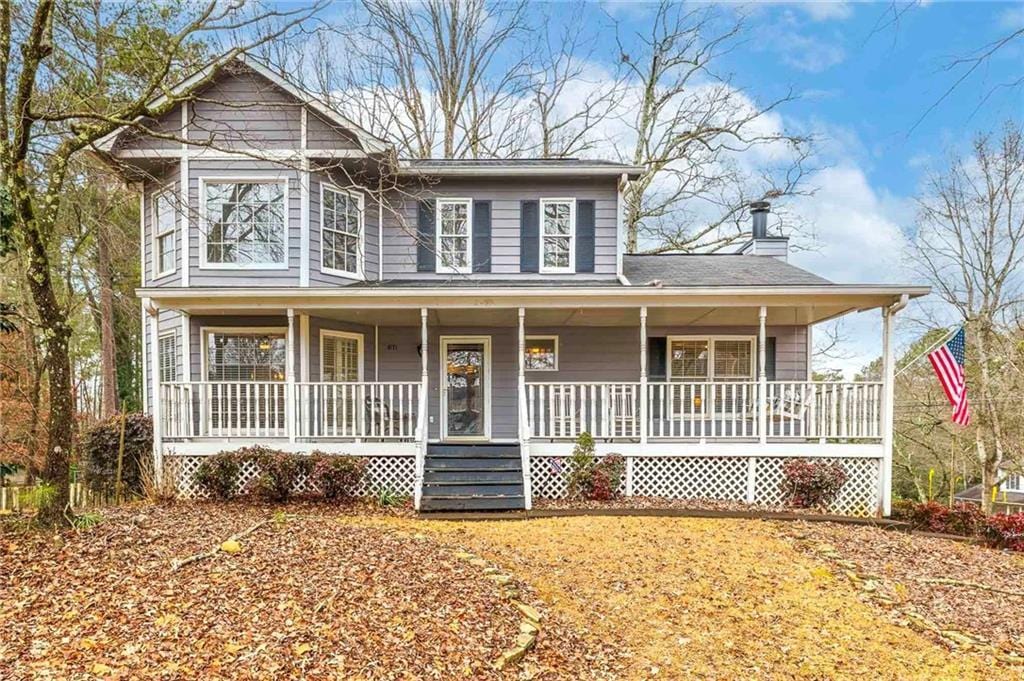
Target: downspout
(623,179)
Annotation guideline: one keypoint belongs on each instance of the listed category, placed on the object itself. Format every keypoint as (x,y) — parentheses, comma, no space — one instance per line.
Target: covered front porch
(701,400)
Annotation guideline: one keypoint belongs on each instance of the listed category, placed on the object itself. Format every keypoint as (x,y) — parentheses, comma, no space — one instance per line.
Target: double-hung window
(341,229)
(696,361)
(341,356)
(164,222)
(454,235)
(169,357)
(558,235)
(245,224)
(246,370)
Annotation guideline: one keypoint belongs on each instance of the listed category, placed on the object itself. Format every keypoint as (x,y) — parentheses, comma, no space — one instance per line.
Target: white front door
(465,388)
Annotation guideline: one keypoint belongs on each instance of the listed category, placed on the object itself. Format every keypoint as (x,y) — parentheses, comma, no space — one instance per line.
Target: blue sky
(866,86)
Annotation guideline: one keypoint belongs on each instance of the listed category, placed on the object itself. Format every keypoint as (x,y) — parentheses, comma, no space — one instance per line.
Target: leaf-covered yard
(322,593)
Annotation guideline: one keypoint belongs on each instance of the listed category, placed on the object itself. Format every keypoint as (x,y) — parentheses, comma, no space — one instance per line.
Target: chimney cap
(760,206)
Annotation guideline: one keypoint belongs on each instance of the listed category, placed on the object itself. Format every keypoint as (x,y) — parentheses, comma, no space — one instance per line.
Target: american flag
(948,362)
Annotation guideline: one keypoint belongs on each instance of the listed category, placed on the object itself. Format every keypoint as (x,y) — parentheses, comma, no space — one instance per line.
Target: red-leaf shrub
(591,478)
(100,448)
(278,472)
(963,518)
(337,477)
(812,484)
(218,474)
(1006,531)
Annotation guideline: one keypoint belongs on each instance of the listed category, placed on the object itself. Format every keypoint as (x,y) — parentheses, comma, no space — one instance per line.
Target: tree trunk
(108,357)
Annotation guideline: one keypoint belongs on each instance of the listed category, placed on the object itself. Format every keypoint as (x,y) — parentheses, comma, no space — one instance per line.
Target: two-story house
(461,322)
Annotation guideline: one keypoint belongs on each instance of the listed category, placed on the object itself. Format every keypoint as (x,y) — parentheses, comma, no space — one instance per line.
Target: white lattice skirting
(394,474)
(725,478)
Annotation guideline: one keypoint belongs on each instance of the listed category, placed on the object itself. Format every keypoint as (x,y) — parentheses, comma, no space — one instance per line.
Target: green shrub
(812,484)
(591,478)
(278,472)
(218,474)
(337,477)
(100,453)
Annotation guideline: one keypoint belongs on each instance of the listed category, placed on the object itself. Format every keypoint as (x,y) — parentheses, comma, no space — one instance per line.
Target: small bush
(591,478)
(278,472)
(100,452)
(218,474)
(337,477)
(812,484)
(1006,531)
(963,518)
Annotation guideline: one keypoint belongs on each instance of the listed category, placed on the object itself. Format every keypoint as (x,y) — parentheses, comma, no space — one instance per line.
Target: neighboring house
(1009,497)
(461,322)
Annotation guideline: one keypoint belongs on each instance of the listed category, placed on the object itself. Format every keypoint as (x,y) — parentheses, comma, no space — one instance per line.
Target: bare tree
(428,76)
(52,108)
(567,103)
(970,246)
(690,127)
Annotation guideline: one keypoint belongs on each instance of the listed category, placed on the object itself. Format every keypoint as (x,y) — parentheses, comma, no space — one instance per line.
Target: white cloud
(827,10)
(807,53)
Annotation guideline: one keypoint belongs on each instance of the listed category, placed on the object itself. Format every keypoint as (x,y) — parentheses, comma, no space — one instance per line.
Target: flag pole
(915,360)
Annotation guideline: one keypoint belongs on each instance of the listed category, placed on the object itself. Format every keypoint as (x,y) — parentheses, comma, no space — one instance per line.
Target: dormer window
(558,235)
(454,237)
(244,224)
(341,229)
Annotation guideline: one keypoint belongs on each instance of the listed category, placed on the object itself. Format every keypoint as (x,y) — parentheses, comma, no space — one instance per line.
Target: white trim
(380,234)
(183,197)
(304,347)
(360,248)
(439,267)
(370,143)
(145,360)
(186,347)
(711,339)
(620,187)
(740,448)
(237,331)
(488,386)
(161,335)
(142,234)
(506,170)
(241,179)
(550,336)
(571,269)
(304,226)
(166,190)
(214,154)
(213,445)
(361,358)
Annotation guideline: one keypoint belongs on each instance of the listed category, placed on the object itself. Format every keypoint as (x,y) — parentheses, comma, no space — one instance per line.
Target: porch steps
(471,477)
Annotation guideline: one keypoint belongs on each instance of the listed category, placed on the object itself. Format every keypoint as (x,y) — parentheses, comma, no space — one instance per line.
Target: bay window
(558,235)
(244,224)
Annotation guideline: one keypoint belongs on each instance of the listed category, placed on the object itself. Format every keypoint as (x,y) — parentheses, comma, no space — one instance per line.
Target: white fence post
(762,377)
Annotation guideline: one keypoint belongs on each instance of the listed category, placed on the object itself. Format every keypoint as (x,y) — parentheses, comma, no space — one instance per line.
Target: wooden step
(471,489)
(475,464)
(474,451)
(478,503)
(501,476)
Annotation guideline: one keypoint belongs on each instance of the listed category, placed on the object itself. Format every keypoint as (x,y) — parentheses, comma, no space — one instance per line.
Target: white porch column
(888,392)
(644,399)
(153,317)
(289,373)
(762,376)
(423,422)
(524,425)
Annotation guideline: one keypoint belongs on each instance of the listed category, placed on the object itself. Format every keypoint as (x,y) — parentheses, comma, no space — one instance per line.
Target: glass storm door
(466,387)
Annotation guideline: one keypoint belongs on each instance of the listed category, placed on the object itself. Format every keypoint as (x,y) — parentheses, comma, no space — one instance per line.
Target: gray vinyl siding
(168,124)
(370,241)
(400,244)
(322,134)
(244,110)
(247,169)
(167,181)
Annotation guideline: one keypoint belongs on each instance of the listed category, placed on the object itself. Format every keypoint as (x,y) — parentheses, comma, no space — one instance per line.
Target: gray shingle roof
(715,270)
(524,162)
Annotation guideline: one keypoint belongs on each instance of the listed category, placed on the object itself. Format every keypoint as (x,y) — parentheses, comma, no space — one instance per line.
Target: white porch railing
(564,410)
(702,410)
(825,410)
(381,411)
(706,410)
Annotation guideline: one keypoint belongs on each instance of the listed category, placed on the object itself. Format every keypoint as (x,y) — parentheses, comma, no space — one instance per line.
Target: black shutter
(529,230)
(584,236)
(481,236)
(426,258)
(769,357)
(657,353)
